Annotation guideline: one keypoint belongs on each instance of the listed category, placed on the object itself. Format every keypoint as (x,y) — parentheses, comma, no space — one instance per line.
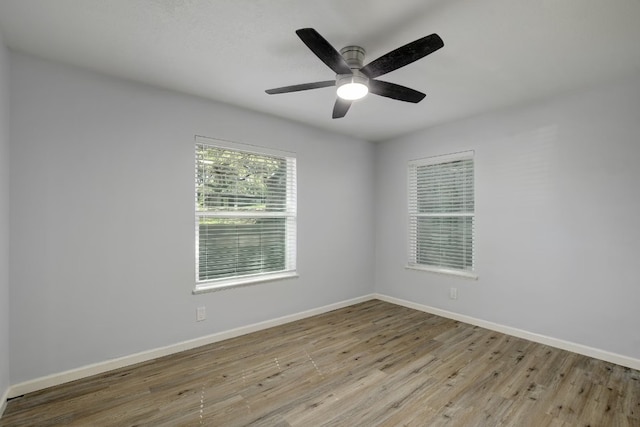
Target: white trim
(441,270)
(3,401)
(443,158)
(235,282)
(596,353)
(242,146)
(101,367)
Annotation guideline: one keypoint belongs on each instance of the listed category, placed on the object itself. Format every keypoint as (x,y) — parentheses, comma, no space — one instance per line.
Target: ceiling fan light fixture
(352,87)
(353,91)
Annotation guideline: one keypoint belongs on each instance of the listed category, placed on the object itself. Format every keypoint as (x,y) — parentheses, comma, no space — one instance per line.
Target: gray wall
(4,219)
(101,251)
(102,218)
(557,206)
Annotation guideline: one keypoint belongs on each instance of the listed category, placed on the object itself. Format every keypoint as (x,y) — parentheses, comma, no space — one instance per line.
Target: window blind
(245,204)
(441,212)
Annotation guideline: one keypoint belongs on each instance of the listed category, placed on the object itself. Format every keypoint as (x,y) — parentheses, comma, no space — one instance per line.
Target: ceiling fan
(353,79)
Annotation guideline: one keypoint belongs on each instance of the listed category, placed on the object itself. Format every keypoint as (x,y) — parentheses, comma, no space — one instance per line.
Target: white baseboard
(618,359)
(3,401)
(101,367)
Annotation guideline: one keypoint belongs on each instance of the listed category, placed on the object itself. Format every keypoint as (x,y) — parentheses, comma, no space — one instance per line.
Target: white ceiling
(497,53)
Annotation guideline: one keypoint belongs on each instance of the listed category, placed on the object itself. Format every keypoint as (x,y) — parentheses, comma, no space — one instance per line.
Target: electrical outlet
(201,314)
(453,293)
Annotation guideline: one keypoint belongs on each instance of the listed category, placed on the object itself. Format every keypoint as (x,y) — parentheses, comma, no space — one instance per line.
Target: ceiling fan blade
(340,108)
(402,56)
(323,50)
(394,91)
(304,86)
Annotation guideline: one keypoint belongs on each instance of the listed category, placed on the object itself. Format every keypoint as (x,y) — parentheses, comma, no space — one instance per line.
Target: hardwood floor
(371,364)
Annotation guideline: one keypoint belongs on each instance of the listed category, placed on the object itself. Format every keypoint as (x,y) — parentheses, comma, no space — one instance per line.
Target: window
(441,214)
(245,206)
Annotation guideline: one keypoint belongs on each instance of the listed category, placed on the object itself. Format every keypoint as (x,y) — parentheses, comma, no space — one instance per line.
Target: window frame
(290,215)
(413,215)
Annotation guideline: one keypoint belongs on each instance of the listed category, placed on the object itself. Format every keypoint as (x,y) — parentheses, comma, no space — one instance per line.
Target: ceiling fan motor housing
(354,56)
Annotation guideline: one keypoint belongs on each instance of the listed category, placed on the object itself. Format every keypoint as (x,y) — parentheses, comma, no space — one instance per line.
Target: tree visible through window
(441,213)
(245,215)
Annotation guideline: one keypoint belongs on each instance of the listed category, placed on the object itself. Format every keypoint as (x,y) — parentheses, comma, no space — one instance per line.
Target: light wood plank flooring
(371,364)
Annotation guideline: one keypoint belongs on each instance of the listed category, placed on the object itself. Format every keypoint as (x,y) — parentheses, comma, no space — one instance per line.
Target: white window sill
(447,271)
(221,285)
